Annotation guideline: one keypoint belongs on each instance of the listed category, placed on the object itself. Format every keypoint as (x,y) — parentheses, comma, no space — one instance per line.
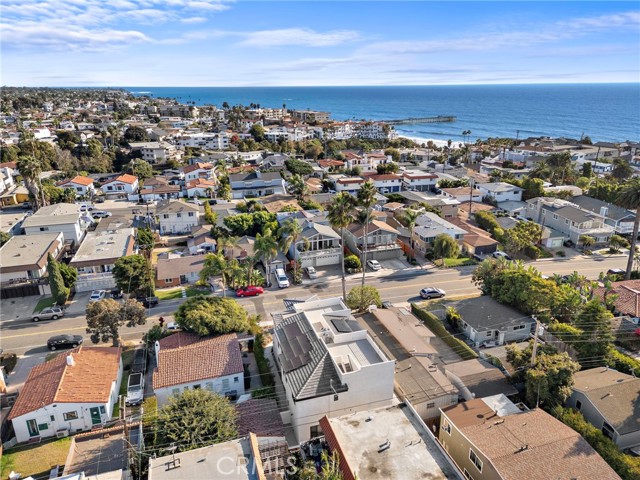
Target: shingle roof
(88,381)
(484,313)
(174,267)
(574,214)
(500,187)
(184,358)
(594,205)
(616,395)
(358,230)
(260,416)
(176,206)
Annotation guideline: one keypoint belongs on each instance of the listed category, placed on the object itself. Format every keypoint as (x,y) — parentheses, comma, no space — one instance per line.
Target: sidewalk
(21,372)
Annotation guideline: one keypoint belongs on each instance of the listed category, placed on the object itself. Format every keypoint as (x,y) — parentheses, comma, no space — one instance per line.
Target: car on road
(86,208)
(281,278)
(49,313)
(97,295)
(64,341)
(250,291)
(196,201)
(311,272)
(116,293)
(432,292)
(374,265)
(616,271)
(148,301)
(100,214)
(499,254)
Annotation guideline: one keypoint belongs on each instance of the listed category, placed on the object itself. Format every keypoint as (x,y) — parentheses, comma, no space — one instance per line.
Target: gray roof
(574,214)
(317,228)
(500,187)
(248,176)
(594,205)
(27,251)
(484,313)
(305,359)
(57,214)
(506,222)
(176,206)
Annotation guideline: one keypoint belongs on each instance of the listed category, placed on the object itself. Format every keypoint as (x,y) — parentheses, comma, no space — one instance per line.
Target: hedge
(626,466)
(263,364)
(436,326)
(623,363)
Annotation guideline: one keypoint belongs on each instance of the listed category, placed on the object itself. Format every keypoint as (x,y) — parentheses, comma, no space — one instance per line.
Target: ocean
(604,112)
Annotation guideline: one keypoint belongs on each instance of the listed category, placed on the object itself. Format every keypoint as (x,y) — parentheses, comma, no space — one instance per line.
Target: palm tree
(266,248)
(30,169)
(410,217)
(366,200)
(364,218)
(235,273)
(225,243)
(629,197)
(214,264)
(586,241)
(616,242)
(250,263)
(339,214)
(290,233)
(298,187)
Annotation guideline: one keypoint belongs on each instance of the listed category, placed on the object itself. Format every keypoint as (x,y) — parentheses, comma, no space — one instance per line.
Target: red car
(249,291)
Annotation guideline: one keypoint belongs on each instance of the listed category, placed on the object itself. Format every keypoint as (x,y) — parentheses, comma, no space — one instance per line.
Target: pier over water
(407,121)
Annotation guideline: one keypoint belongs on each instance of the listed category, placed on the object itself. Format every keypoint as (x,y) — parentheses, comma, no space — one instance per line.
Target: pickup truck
(148,302)
(135,389)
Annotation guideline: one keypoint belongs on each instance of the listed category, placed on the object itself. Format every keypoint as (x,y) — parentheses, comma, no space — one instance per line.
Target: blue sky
(222,43)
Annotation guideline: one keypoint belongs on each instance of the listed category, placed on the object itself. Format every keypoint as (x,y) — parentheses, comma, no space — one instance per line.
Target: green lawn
(44,303)
(35,460)
(171,293)
(459,262)
(127,360)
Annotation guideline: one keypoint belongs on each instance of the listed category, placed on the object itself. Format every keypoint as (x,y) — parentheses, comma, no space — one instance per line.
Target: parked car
(86,208)
(148,301)
(173,326)
(213,201)
(616,271)
(99,200)
(281,278)
(116,293)
(499,254)
(374,265)
(97,295)
(432,292)
(135,389)
(249,291)
(100,214)
(196,201)
(311,272)
(64,341)
(49,313)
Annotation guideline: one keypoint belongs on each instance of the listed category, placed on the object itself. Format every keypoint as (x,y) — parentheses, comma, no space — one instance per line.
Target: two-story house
(380,238)
(65,218)
(198,171)
(463,194)
(256,184)
(24,257)
(617,217)
(500,191)
(175,216)
(342,183)
(568,219)
(72,392)
(328,364)
(123,185)
(200,187)
(318,245)
(429,226)
(218,360)
(386,183)
(79,184)
(418,181)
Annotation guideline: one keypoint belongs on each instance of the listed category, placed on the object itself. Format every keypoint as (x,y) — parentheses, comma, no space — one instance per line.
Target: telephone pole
(534,351)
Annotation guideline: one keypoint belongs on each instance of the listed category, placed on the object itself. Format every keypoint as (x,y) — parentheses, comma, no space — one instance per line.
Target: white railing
(317,253)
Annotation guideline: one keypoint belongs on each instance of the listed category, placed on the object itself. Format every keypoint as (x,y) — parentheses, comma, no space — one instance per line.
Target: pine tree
(59,291)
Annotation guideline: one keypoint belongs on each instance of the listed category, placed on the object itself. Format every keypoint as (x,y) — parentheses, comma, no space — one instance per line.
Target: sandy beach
(436,142)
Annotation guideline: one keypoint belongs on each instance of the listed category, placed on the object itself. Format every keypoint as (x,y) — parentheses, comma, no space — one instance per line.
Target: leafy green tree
(487,221)
(136,134)
(629,197)
(266,248)
(445,246)
(69,274)
(389,167)
(587,170)
(352,262)
(409,218)
(361,297)
(533,187)
(394,152)
(621,170)
(214,264)
(146,241)
(291,234)
(594,323)
(207,316)
(59,291)
(140,169)
(516,239)
(106,317)
(132,275)
(298,167)
(297,187)
(587,241)
(257,132)
(209,216)
(4,238)
(616,242)
(196,418)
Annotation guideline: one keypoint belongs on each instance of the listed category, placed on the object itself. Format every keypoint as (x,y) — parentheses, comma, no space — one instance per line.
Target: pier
(407,121)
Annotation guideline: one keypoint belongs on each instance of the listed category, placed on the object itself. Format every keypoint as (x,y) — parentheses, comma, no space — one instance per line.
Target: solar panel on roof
(341,325)
(295,347)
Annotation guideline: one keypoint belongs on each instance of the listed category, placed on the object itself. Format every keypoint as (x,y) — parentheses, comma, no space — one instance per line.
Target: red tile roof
(80,180)
(628,300)
(88,381)
(199,182)
(125,178)
(330,162)
(197,166)
(185,358)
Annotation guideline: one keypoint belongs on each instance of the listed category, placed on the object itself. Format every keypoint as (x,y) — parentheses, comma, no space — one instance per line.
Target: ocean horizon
(603,111)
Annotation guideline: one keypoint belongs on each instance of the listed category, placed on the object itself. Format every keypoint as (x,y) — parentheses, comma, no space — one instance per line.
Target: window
(431,405)
(476,461)
(446,427)
(70,416)
(555,216)
(102,410)
(168,280)
(191,214)
(165,216)
(467,475)
(315,431)
(490,333)
(225,384)
(578,404)
(179,215)
(196,387)
(566,222)
(209,386)
(43,426)
(44,229)
(53,419)
(518,327)
(235,379)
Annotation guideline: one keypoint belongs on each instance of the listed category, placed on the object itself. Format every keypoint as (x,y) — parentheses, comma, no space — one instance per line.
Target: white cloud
(192,20)
(298,36)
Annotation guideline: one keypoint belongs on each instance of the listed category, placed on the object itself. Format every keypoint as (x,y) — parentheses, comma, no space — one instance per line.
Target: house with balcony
(176,217)
(347,184)
(463,194)
(380,238)
(73,392)
(158,192)
(319,245)
(329,365)
(256,184)
(64,218)
(154,152)
(428,226)
(610,401)
(79,184)
(387,182)
(500,191)
(23,258)
(186,361)
(205,140)
(617,217)
(568,219)
(418,181)
(122,185)
(197,171)
(492,439)
(97,255)
(200,187)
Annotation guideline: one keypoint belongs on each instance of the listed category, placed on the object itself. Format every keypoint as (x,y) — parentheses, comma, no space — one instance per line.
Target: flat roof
(57,214)
(412,453)
(104,247)
(9,219)
(27,251)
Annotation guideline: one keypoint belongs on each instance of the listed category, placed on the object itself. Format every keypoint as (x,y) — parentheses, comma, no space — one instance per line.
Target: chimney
(604,211)
(70,361)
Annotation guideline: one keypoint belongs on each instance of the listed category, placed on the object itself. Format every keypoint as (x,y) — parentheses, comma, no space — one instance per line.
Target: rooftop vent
(70,361)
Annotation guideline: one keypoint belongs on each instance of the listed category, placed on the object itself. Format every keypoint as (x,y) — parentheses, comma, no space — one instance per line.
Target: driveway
(78,305)
(15,308)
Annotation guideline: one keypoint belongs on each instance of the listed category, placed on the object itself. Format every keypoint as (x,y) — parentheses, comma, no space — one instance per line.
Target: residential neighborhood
(195,284)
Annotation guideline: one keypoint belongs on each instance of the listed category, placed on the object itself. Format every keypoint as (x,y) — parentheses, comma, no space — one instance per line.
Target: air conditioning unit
(62,433)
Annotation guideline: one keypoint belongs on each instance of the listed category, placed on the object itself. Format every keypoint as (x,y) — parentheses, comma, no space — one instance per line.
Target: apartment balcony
(594,231)
(94,276)
(317,253)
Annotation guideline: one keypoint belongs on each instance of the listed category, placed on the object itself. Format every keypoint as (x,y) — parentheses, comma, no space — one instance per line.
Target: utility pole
(534,351)
(471,184)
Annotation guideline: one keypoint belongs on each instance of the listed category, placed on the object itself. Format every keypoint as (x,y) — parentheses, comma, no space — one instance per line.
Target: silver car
(49,313)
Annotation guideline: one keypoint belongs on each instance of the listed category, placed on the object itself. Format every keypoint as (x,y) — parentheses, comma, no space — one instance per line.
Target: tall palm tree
(250,263)
(298,187)
(629,197)
(366,200)
(226,243)
(340,215)
(266,248)
(214,264)
(410,217)
(235,273)
(290,233)
(364,218)
(30,169)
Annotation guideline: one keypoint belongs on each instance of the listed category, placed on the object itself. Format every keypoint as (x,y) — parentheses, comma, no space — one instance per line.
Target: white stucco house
(24,257)
(121,185)
(73,392)
(175,216)
(186,361)
(500,191)
(64,218)
(79,184)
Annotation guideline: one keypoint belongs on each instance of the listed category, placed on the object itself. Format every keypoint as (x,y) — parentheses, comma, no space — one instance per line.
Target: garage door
(329,259)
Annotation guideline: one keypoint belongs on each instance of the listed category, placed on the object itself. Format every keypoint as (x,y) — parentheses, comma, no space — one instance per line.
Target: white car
(196,201)
(374,265)
(97,295)
(100,214)
(311,272)
(499,254)
(281,278)
(86,208)
(172,326)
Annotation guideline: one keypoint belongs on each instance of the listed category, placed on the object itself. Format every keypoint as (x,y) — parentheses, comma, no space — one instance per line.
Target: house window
(446,427)
(53,419)
(566,222)
(43,426)
(168,280)
(209,386)
(431,405)
(44,229)
(476,461)
(578,404)
(518,327)
(225,384)
(235,380)
(467,475)
(315,431)
(102,410)
(489,333)
(179,215)
(165,216)
(190,214)
(555,216)
(70,416)
(196,387)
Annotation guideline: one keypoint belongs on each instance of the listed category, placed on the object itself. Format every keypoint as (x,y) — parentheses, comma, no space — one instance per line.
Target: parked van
(135,389)
(281,278)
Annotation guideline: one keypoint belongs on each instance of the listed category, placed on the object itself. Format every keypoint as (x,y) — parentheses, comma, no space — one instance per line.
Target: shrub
(623,363)
(263,364)
(359,298)
(352,262)
(561,253)
(264,392)
(436,326)
(532,252)
(8,361)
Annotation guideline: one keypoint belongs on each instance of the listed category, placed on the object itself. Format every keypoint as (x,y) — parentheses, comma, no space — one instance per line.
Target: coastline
(437,142)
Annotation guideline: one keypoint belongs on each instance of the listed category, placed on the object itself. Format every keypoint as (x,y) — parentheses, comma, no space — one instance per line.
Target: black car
(148,301)
(64,341)
(116,293)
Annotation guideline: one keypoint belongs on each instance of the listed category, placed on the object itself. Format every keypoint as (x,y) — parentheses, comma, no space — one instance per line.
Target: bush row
(263,364)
